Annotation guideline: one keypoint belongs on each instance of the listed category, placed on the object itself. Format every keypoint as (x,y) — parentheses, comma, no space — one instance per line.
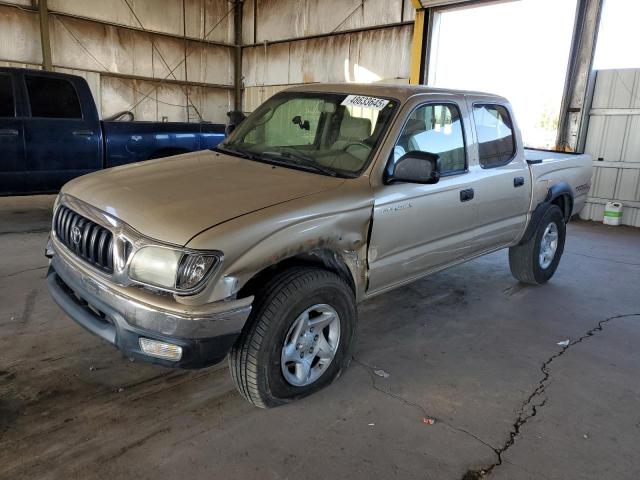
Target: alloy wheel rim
(548,245)
(310,345)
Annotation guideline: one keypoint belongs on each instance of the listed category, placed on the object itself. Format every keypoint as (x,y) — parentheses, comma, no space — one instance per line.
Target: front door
(420,228)
(61,142)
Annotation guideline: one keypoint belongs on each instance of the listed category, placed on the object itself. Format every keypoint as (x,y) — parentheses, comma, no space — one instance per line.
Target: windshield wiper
(269,157)
(303,161)
(238,152)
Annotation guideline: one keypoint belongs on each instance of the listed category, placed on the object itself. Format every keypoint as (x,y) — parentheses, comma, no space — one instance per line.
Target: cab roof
(400,92)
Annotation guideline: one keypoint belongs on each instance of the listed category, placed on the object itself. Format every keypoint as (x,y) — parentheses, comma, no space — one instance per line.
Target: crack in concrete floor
(529,408)
(369,369)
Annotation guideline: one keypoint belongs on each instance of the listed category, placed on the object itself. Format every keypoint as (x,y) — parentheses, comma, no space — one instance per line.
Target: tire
(524,259)
(256,359)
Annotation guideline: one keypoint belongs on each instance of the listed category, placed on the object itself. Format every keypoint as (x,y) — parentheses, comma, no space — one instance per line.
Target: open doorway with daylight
(518,49)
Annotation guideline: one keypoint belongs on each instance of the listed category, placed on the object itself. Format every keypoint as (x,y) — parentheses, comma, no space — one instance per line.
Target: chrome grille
(88,240)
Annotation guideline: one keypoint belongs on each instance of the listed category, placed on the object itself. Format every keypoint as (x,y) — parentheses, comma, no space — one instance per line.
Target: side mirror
(415,167)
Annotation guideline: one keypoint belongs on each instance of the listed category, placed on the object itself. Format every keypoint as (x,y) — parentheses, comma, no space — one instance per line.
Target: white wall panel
(286,19)
(164,16)
(254,96)
(353,57)
(209,64)
(615,89)
(613,139)
(95,50)
(24,3)
(20,65)
(19,36)
(154,100)
(101,50)
(83,44)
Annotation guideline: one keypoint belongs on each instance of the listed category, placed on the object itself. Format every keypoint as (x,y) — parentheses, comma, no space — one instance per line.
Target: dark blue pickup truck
(50,132)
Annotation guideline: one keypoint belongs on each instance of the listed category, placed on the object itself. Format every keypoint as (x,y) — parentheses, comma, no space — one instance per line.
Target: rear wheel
(297,339)
(536,260)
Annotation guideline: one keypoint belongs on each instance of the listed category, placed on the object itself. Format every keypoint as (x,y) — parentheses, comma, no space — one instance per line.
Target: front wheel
(297,339)
(536,260)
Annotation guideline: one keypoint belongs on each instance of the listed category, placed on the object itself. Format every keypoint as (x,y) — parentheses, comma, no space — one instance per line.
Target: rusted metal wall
(328,41)
(164,68)
(163,16)
(157,64)
(287,19)
(19,36)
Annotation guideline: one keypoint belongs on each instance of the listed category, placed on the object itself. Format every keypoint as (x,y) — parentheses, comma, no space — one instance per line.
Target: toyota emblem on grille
(76,235)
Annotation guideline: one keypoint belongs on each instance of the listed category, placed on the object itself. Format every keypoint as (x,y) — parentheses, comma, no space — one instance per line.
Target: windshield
(329,133)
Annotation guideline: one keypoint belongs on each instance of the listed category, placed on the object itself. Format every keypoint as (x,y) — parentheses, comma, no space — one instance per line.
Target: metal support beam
(43,12)
(574,112)
(337,33)
(237,59)
(416,69)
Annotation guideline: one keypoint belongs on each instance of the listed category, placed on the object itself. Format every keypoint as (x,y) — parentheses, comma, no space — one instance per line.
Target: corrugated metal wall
(157,70)
(613,139)
(374,45)
(151,69)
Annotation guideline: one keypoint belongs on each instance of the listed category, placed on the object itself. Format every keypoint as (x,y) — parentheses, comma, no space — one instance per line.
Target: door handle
(9,133)
(466,194)
(518,182)
(83,133)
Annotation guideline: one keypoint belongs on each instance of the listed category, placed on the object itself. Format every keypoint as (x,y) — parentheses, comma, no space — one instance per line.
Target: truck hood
(175,198)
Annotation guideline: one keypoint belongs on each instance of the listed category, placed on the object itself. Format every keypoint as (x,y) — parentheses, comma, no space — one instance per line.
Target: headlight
(155,266)
(193,269)
(172,269)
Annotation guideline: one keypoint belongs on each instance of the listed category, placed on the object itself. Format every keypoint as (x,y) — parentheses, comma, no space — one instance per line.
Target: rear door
(63,136)
(420,228)
(503,189)
(12,163)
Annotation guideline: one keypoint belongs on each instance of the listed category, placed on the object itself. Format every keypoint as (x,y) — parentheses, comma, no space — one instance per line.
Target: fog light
(160,349)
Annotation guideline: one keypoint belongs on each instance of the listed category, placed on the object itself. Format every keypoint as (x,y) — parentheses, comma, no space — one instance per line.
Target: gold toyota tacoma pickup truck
(325,196)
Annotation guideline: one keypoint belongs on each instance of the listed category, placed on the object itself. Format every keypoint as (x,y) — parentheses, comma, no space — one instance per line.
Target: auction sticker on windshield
(367,102)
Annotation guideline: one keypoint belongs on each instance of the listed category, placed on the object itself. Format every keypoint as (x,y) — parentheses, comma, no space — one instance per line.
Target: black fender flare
(555,191)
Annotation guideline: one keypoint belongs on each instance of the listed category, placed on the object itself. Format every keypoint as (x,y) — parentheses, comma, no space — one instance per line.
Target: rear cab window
(52,98)
(496,138)
(7,102)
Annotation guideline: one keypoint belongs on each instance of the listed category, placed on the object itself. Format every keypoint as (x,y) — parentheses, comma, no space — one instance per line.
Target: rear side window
(52,98)
(435,128)
(7,108)
(496,141)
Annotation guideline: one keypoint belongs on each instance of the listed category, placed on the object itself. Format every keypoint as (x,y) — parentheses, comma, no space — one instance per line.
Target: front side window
(7,107)
(329,133)
(52,98)
(435,129)
(496,141)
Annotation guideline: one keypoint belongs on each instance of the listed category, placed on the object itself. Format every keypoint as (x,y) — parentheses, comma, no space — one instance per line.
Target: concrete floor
(470,348)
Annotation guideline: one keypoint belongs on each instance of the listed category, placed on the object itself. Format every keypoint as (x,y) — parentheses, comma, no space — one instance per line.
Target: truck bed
(550,168)
(534,154)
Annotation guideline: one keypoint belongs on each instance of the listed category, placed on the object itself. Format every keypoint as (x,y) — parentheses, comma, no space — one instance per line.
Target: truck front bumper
(203,339)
